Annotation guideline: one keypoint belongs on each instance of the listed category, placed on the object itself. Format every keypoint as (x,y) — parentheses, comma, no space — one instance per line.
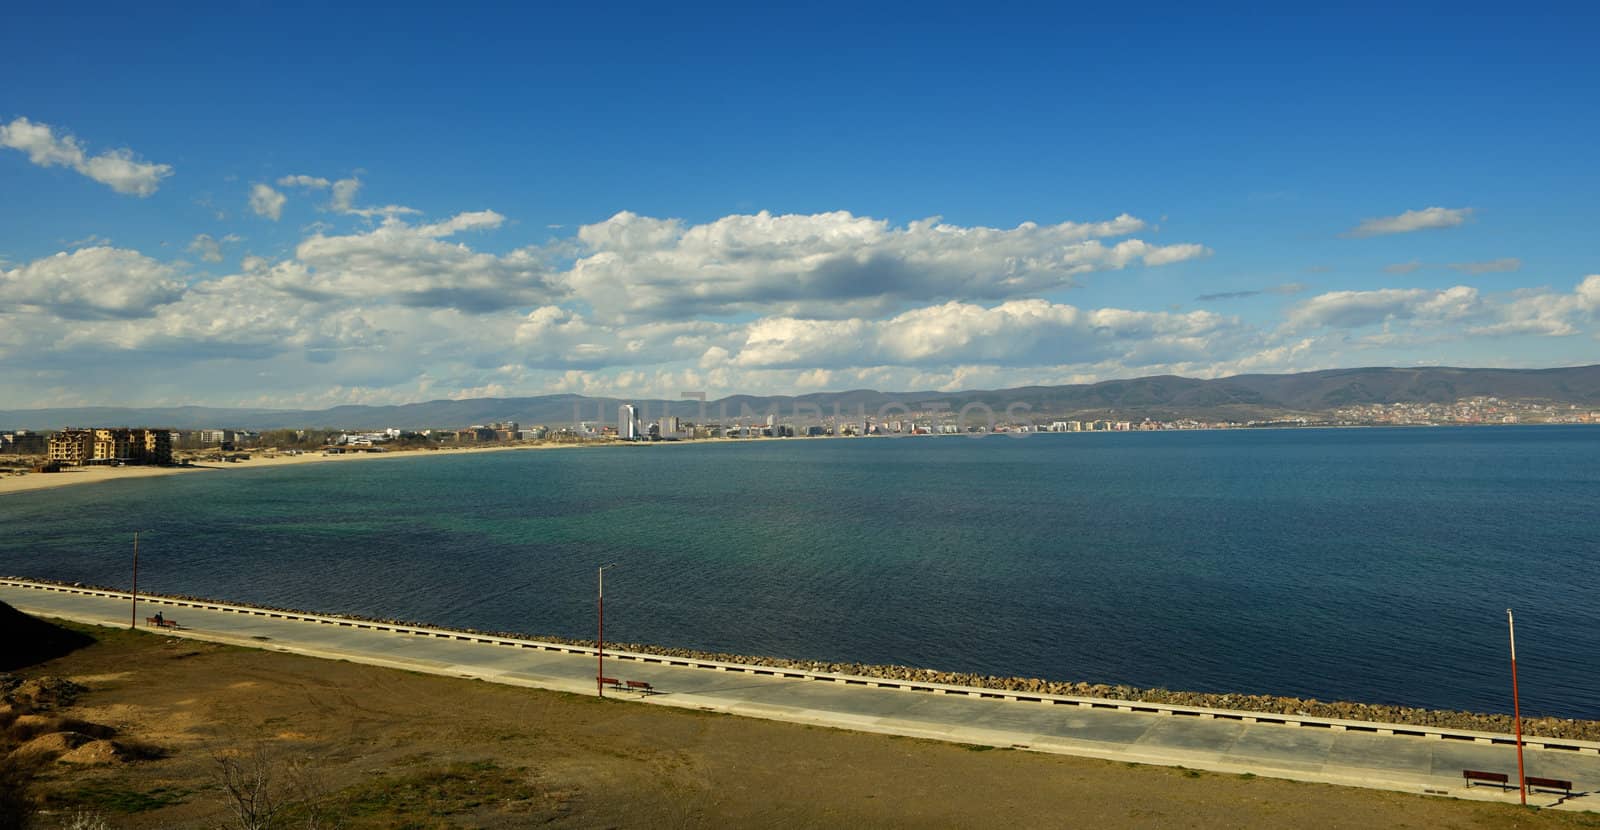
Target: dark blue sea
(1365,564)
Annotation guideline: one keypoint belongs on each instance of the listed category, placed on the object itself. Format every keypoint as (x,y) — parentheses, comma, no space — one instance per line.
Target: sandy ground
(19,483)
(387,748)
(91,475)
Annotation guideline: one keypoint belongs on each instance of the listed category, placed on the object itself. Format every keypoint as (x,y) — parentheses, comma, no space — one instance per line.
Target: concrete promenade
(1393,757)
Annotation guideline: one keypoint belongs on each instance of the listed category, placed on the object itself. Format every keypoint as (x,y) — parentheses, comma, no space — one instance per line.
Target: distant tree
(295,438)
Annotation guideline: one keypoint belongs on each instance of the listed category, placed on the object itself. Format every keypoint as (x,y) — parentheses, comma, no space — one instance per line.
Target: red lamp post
(600,639)
(1516,707)
(133,621)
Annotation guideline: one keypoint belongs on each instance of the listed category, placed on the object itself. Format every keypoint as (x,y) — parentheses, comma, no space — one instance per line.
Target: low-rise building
(477,433)
(23,442)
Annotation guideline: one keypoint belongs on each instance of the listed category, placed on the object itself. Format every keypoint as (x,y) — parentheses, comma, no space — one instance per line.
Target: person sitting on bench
(160,620)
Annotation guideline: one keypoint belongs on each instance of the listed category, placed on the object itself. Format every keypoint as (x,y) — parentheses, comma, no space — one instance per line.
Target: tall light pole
(600,640)
(133,620)
(1516,707)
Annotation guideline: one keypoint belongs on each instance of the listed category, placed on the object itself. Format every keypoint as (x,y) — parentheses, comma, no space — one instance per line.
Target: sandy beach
(91,475)
(25,482)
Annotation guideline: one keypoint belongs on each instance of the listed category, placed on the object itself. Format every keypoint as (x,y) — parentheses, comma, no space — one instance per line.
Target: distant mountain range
(1163,397)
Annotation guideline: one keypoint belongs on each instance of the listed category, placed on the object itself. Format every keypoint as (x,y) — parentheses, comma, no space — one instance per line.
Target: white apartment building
(627,422)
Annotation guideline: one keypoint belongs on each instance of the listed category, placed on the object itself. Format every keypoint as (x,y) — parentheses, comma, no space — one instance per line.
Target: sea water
(1360,564)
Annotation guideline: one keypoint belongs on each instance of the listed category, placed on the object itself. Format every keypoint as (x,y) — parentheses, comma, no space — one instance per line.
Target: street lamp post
(133,620)
(1516,707)
(600,639)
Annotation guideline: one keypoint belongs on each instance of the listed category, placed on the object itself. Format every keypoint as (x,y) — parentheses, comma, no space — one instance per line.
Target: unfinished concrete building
(72,447)
(111,445)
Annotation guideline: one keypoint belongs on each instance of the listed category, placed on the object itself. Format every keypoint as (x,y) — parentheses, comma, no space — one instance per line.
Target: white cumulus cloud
(413,265)
(117,169)
(344,194)
(1014,333)
(267,202)
(208,247)
(1545,313)
(554,337)
(837,264)
(310,182)
(1412,220)
(1353,309)
(93,283)
(1454,313)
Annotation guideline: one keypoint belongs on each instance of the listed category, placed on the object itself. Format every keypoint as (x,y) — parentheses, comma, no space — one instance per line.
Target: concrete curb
(1165,709)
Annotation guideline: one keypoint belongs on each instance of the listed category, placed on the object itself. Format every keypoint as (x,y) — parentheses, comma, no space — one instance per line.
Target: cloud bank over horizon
(407,309)
(382,303)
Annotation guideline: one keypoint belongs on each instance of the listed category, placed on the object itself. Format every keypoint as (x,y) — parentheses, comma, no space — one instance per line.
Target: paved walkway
(1209,739)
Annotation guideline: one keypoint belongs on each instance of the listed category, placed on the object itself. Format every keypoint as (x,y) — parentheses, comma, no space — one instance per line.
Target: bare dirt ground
(359,746)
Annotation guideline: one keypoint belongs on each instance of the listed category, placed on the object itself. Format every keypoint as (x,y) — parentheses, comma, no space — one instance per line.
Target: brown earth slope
(25,640)
(383,748)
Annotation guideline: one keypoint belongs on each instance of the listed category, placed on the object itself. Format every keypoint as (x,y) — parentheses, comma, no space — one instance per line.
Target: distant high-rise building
(627,422)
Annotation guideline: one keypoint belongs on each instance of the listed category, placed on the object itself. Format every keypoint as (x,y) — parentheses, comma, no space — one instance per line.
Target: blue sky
(639,201)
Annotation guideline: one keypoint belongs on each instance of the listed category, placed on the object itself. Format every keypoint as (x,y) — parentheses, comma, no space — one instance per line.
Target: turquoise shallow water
(1370,564)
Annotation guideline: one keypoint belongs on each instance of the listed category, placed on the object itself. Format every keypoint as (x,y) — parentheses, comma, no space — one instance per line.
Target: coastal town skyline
(1358,398)
(978,217)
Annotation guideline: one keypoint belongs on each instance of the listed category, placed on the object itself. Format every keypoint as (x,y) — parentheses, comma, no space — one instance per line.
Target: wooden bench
(161,623)
(1492,777)
(1550,784)
(611,683)
(640,686)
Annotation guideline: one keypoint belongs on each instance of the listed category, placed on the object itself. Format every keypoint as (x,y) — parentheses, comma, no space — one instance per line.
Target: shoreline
(69,476)
(1548,727)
